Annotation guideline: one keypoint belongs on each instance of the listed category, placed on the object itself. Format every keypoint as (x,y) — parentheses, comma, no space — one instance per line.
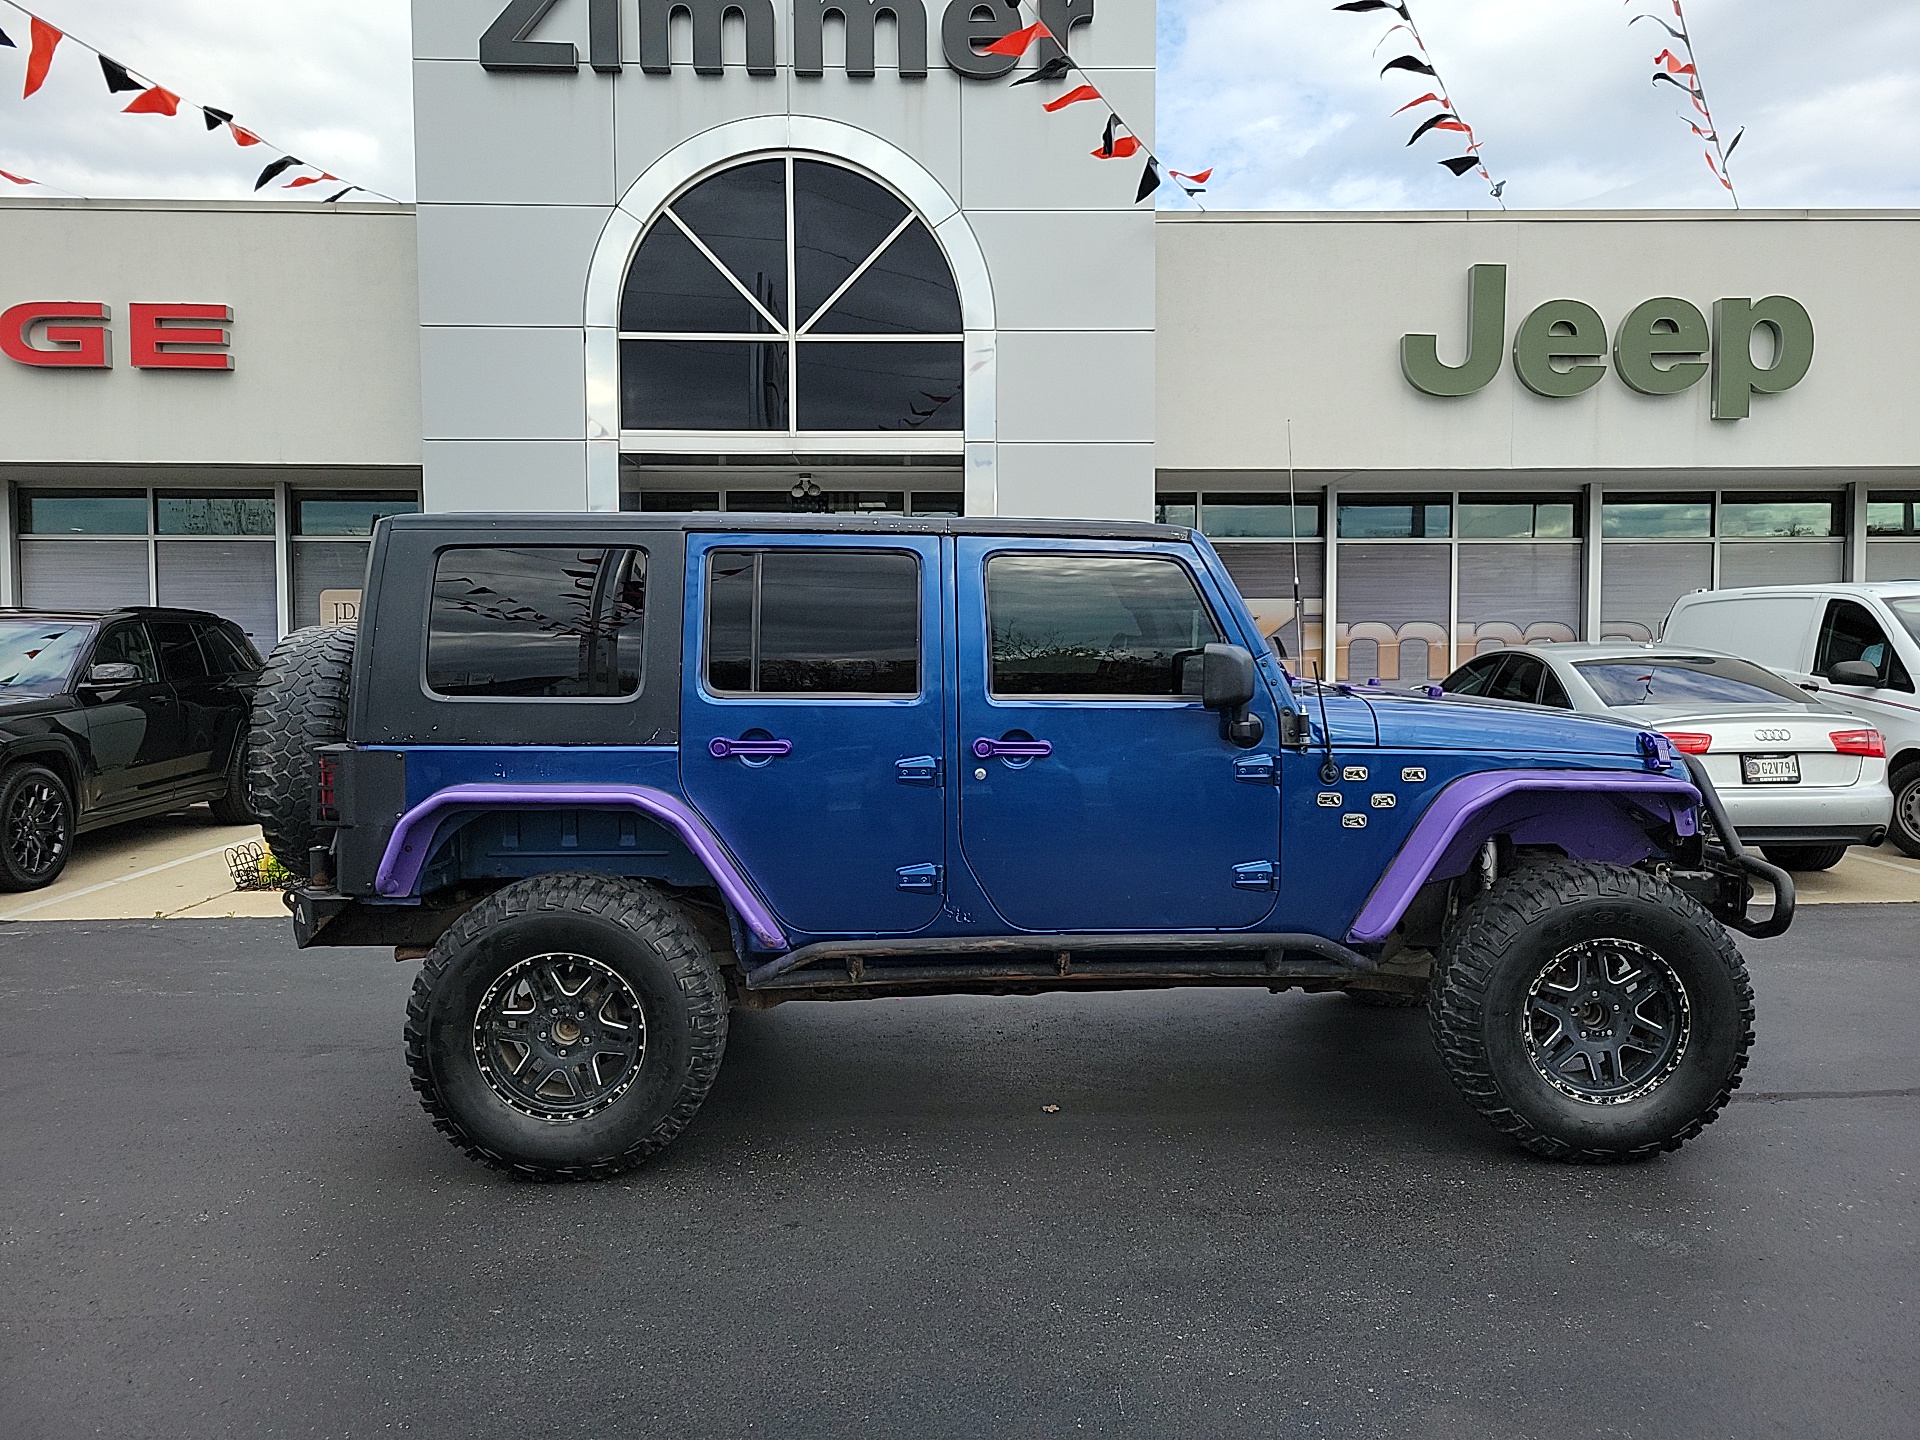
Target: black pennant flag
(4,40)
(1149,181)
(278,167)
(1460,164)
(341,194)
(1672,80)
(117,77)
(215,118)
(1054,69)
(1407,62)
(1360,7)
(1439,119)
(1106,140)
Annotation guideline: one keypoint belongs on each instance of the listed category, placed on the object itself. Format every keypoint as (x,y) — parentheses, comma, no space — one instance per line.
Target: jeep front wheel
(567,1027)
(1592,1012)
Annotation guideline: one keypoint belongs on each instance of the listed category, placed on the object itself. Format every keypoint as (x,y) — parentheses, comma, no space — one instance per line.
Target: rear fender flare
(1599,815)
(418,832)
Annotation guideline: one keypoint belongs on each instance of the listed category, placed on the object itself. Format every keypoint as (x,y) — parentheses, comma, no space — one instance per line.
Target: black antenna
(1329,772)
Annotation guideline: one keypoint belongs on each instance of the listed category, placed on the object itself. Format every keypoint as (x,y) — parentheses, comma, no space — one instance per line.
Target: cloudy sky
(1283,97)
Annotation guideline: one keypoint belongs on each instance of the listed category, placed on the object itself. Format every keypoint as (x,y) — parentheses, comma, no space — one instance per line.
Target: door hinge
(1254,875)
(1255,769)
(920,877)
(919,770)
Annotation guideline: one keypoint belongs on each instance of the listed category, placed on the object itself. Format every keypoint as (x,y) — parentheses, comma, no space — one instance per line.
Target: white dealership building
(732,255)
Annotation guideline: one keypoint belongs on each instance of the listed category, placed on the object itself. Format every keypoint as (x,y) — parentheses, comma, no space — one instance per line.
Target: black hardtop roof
(118,612)
(710,522)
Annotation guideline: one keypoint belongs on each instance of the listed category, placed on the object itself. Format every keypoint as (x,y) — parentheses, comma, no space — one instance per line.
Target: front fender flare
(412,840)
(1473,807)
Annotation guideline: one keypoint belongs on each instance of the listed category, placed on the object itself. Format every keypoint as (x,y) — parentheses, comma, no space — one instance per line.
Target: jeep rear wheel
(567,1027)
(299,705)
(1592,1012)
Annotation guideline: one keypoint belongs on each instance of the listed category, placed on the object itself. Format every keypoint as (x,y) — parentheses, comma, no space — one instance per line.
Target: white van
(1856,646)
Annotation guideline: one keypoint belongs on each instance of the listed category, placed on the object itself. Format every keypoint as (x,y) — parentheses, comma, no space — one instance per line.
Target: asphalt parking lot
(221,1213)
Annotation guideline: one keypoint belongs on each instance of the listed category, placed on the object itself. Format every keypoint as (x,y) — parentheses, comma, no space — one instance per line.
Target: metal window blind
(1780,562)
(83,574)
(232,578)
(1639,583)
(324,565)
(1263,574)
(1518,594)
(1893,559)
(1394,604)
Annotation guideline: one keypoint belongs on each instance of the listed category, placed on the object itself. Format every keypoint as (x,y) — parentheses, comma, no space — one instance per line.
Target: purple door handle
(723,749)
(1012,749)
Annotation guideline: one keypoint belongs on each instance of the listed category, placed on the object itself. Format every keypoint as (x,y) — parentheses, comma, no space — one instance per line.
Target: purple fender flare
(412,839)
(1584,811)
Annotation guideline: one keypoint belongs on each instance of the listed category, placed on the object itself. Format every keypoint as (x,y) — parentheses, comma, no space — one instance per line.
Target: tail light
(1869,743)
(1689,743)
(323,795)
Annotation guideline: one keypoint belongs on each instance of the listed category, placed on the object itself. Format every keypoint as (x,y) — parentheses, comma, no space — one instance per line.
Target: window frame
(797,330)
(610,544)
(811,697)
(1225,633)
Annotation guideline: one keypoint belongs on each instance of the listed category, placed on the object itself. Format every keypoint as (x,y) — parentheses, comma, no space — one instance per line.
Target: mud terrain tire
(1530,1051)
(299,705)
(587,962)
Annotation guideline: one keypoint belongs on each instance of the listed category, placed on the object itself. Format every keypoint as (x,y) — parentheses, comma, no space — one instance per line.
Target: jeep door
(1094,793)
(812,722)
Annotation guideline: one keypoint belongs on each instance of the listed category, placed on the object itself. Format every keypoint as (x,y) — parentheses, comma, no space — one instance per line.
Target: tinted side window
(1471,678)
(1519,679)
(1850,632)
(546,622)
(813,622)
(1554,693)
(128,645)
(225,651)
(1092,624)
(180,657)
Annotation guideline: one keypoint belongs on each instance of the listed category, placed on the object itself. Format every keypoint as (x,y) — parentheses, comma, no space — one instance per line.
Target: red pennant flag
(243,137)
(16,179)
(1199,177)
(157,101)
(1427,99)
(1072,97)
(1123,146)
(1018,42)
(45,40)
(1673,63)
(308,180)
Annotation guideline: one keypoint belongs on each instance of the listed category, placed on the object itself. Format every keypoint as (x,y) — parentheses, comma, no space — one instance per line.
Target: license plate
(1770,769)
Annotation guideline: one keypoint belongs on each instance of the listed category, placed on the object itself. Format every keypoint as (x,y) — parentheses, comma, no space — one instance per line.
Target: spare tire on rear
(299,706)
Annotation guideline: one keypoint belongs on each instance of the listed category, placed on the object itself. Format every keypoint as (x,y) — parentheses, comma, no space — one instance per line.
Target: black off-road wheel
(36,827)
(299,705)
(1905,830)
(1592,1012)
(567,1027)
(1805,858)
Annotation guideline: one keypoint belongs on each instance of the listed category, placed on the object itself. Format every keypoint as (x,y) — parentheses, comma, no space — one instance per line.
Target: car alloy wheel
(1606,1021)
(38,830)
(559,1037)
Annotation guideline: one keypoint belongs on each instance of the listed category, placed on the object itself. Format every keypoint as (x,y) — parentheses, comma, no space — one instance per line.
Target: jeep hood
(1455,722)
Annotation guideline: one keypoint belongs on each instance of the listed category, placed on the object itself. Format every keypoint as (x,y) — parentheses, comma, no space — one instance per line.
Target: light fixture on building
(804,488)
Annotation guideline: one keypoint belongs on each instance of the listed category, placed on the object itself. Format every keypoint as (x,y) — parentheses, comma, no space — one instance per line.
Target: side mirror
(1228,683)
(113,675)
(1853,672)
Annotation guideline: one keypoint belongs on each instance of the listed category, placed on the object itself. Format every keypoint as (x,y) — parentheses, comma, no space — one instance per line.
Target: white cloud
(1284,97)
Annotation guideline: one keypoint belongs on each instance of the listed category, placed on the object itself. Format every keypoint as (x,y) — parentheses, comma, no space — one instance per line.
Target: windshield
(1692,680)
(37,654)
(1907,611)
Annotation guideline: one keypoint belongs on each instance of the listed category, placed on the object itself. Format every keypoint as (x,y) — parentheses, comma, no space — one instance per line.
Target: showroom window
(1255,532)
(1893,535)
(808,502)
(790,296)
(328,565)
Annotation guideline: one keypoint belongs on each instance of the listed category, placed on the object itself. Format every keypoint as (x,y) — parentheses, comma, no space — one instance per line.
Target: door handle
(985,749)
(723,749)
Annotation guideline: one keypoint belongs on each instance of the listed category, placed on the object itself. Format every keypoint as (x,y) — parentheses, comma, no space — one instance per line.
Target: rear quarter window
(539,622)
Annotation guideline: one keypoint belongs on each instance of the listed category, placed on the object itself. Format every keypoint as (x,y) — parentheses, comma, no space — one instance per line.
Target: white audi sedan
(1800,780)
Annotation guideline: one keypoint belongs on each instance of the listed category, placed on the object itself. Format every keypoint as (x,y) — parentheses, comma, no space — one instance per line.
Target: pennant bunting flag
(1445,120)
(309,180)
(16,179)
(1072,97)
(117,77)
(1678,66)
(155,101)
(340,194)
(1733,144)
(1106,141)
(1149,181)
(1675,65)
(46,40)
(215,118)
(1460,164)
(1427,99)
(243,137)
(1018,42)
(275,169)
(1447,117)
(1122,147)
(7,43)
(1199,177)
(1408,63)
(1056,68)
(1362,6)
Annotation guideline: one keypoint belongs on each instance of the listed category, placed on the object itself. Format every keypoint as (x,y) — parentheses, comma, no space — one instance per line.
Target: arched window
(789,295)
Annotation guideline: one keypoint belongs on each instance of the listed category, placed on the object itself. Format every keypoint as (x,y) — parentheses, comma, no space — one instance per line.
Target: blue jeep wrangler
(612,775)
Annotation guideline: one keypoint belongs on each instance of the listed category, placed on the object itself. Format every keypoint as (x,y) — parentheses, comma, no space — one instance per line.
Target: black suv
(115,715)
